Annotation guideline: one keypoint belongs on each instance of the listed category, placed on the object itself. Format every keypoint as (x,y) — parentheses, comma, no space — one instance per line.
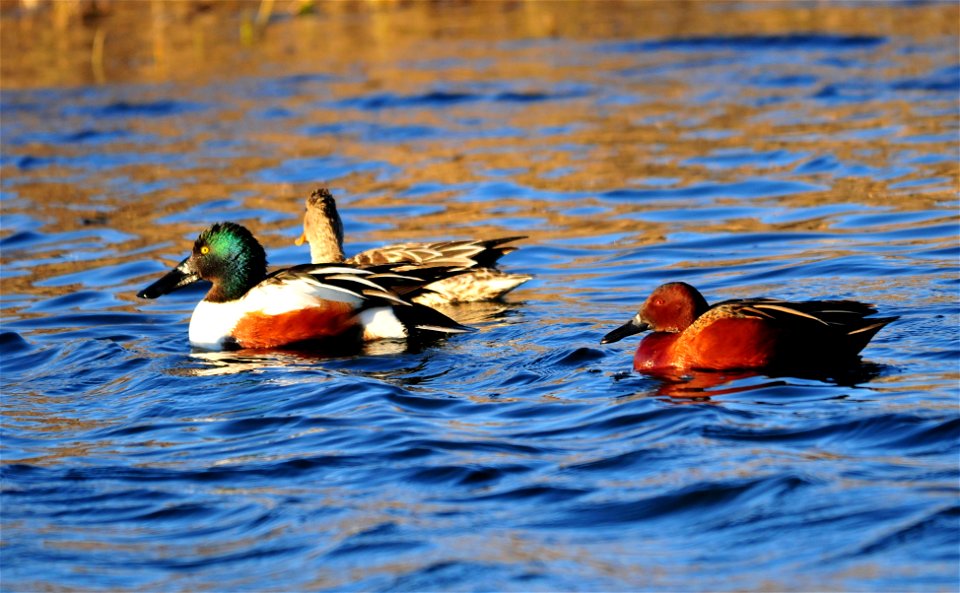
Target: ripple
(900,432)
(749,189)
(124,109)
(523,456)
(795,42)
(706,500)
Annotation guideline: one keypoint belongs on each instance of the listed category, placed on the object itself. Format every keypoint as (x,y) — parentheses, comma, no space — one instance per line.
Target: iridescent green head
(226,254)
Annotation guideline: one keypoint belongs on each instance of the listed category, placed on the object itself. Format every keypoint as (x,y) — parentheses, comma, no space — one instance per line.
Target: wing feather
(788,311)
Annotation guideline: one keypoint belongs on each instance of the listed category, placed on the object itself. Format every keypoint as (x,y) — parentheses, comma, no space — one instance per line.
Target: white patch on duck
(380,323)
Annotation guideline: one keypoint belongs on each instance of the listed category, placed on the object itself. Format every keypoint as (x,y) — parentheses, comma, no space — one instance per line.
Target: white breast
(212,323)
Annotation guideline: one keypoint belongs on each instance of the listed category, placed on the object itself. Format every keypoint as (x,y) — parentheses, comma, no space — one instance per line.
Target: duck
(247,308)
(323,230)
(751,333)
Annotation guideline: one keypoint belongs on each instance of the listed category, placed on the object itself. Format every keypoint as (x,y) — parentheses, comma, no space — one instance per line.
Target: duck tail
(858,338)
(494,249)
(425,319)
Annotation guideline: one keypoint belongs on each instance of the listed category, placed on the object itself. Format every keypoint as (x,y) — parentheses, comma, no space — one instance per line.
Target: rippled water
(816,161)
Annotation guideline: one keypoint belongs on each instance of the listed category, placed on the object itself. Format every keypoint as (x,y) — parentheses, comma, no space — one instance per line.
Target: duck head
(670,308)
(227,255)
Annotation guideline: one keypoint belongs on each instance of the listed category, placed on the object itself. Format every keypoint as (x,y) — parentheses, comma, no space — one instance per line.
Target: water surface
(789,150)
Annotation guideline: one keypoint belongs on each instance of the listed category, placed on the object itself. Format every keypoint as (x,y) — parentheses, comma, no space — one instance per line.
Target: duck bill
(175,279)
(634,326)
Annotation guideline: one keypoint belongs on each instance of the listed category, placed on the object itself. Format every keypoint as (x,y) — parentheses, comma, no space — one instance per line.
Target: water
(809,162)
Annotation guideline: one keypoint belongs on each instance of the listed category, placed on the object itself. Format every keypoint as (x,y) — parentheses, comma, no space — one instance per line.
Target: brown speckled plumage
(323,229)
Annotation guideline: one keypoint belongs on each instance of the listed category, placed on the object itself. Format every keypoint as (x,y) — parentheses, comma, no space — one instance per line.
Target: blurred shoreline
(57,43)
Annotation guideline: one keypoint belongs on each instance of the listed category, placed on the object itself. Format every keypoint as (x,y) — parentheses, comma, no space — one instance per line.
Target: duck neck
(326,241)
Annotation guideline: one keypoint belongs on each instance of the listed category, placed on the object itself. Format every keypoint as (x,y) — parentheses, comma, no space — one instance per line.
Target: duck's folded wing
(483,253)
(381,287)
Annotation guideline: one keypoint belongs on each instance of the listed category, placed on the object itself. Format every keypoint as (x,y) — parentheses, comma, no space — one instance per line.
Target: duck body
(757,333)
(293,308)
(323,229)
(246,308)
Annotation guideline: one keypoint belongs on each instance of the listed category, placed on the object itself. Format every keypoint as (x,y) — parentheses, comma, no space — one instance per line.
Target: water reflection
(796,149)
(205,363)
(703,386)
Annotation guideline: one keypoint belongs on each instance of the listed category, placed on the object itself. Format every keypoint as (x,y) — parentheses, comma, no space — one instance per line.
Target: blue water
(525,456)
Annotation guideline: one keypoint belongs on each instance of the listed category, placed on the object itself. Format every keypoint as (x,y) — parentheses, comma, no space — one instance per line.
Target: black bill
(175,279)
(634,326)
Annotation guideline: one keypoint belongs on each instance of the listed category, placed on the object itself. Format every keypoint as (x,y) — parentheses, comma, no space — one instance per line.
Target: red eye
(659,301)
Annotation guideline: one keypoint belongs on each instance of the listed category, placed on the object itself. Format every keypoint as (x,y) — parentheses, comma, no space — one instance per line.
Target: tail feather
(857,339)
(424,318)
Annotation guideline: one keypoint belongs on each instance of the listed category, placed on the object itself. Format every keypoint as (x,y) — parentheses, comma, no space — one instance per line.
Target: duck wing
(389,285)
(482,253)
(815,321)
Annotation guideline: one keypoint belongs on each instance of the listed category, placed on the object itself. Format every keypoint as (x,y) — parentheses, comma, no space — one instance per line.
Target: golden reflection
(359,50)
(31,414)
(147,40)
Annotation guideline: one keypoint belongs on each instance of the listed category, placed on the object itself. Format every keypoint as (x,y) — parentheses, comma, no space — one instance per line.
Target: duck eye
(659,301)
(204,250)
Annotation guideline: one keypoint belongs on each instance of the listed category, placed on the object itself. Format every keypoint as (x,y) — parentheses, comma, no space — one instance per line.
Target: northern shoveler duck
(247,308)
(323,229)
(745,333)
